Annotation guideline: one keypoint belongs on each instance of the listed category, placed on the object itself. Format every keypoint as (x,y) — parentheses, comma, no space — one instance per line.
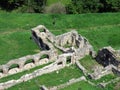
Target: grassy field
(83,85)
(105,78)
(51,79)
(100,29)
(88,63)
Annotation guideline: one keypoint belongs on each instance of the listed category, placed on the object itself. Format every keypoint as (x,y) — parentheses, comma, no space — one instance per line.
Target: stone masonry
(62,50)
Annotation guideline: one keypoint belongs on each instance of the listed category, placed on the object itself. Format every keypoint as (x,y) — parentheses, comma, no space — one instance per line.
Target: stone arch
(60,63)
(13,66)
(42,30)
(29,61)
(44,56)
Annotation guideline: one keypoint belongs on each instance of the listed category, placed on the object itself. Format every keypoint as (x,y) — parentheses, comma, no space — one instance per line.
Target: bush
(24,9)
(82,6)
(57,8)
(93,6)
(109,6)
(23,5)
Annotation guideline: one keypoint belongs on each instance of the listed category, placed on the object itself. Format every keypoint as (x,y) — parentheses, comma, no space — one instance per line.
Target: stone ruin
(62,50)
(109,57)
(69,43)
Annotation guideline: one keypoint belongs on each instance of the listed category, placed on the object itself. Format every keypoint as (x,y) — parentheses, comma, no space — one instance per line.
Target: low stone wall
(82,68)
(72,81)
(111,81)
(100,72)
(59,63)
(26,62)
(116,70)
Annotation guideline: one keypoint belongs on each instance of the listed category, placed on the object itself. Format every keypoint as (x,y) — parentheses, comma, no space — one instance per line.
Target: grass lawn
(83,85)
(88,63)
(16,44)
(100,29)
(100,37)
(113,86)
(51,79)
(105,78)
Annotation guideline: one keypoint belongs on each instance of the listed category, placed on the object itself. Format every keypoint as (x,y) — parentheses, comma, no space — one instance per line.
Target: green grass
(88,63)
(100,29)
(16,44)
(112,86)
(103,36)
(83,85)
(105,78)
(51,79)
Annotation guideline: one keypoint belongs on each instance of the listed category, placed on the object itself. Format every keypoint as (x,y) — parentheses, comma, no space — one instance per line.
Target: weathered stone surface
(21,63)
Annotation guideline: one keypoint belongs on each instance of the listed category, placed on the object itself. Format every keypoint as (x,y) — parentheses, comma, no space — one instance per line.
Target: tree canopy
(74,7)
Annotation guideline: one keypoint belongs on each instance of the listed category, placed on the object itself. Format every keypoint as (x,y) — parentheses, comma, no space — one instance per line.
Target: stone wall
(72,81)
(65,42)
(60,62)
(73,47)
(26,62)
(107,56)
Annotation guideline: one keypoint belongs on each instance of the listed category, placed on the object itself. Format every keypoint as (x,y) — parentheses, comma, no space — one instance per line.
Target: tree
(10,4)
(23,5)
(83,6)
(110,6)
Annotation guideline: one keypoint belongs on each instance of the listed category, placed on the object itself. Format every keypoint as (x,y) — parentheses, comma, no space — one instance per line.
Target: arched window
(29,61)
(14,66)
(42,30)
(44,56)
(59,63)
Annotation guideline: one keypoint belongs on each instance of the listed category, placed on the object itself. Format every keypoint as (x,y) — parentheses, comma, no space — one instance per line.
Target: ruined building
(69,43)
(62,50)
(107,56)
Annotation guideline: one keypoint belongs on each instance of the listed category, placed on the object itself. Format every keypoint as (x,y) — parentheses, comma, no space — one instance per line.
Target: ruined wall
(107,56)
(46,40)
(73,47)
(60,62)
(26,62)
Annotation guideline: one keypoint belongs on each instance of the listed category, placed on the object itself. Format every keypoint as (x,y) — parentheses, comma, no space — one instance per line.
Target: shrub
(82,6)
(57,8)
(23,5)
